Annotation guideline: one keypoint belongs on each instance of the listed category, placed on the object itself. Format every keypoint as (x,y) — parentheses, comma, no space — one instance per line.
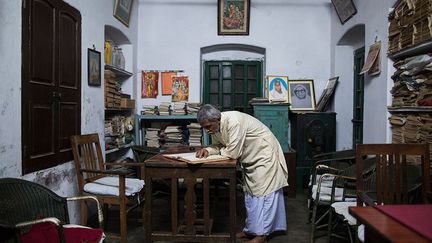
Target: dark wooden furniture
(90,166)
(379,227)
(311,134)
(291,160)
(159,167)
(400,168)
(25,203)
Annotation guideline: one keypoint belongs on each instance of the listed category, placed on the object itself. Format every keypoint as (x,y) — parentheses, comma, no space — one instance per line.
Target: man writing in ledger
(240,136)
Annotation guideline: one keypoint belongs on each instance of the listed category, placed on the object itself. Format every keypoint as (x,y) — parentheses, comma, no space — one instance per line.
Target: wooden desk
(380,227)
(161,167)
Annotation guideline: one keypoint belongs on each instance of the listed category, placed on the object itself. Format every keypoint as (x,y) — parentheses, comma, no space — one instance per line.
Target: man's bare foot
(258,239)
(242,234)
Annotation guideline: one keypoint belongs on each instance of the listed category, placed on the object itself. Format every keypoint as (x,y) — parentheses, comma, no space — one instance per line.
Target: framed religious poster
(233,17)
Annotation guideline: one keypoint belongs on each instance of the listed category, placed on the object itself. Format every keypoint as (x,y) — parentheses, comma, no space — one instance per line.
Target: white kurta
(245,138)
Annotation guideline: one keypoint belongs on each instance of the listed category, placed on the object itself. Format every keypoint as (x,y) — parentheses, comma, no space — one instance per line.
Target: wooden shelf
(417,109)
(421,48)
(126,146)
(118,71)
(118,109)
(157,117)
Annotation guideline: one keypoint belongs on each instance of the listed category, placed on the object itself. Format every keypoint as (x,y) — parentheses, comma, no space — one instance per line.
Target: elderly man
(243,137)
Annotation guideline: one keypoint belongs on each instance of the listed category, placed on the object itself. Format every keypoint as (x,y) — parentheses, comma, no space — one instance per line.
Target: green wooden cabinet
(275,117)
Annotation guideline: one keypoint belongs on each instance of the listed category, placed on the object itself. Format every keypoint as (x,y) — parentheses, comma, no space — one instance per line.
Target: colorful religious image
(166,79)
(149,81)
(233,16)
(180,88)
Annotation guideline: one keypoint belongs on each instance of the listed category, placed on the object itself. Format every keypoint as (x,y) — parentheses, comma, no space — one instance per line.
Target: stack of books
(152,137)
(173,136)
(192,108)
(112,90)
(179,108)
(195,134)
(165,109)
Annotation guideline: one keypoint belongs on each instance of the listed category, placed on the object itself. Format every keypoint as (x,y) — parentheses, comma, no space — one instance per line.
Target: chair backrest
(398,168)
(22,200)
(88,156)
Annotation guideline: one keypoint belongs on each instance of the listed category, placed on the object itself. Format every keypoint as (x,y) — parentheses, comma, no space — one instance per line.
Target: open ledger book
(192,159)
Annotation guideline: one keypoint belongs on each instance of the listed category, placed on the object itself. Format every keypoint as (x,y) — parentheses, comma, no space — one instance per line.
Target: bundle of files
(192,108)
(172,136)
(112,90)
(164,109)
(152,137)
(149,110)
(195,134)
(179,108)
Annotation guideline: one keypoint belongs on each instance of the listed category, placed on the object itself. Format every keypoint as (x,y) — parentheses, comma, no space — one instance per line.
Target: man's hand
(202,153)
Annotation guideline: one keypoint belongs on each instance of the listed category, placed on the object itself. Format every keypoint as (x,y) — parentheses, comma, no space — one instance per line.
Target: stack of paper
(179,108)
(149,110)
(152,137)
(195,134)
(165,109)
(192,108)
(173,136)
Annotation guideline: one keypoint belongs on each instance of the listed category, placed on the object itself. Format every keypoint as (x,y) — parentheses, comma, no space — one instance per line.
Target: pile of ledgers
(152,137)
(172,136)
(195,134)
(192,108)
(149,110)
(164,109)
(179,108)
(413,82)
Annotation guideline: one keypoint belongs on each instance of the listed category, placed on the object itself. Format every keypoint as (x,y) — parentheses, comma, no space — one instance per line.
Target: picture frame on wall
(301,95)
(327,94)
(233,17)
(277,88)
(345,9)
(122,11)
(94,67)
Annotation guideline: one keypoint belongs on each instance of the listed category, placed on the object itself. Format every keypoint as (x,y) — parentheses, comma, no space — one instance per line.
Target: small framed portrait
(94,67)
(301,95)
(277,88)
(233,17)
(345,9)
(327,94)
(122,10)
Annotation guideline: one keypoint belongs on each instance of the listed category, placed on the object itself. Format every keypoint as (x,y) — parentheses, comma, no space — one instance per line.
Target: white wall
(373,15)
(95,15)
(295,35)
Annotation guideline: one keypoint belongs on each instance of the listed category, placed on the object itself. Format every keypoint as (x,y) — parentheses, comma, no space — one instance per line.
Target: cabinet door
(277,121)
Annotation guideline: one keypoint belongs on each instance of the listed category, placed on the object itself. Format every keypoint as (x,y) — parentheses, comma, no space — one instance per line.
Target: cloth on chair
(325,193)
(341,208)
(47,233)
(110,186)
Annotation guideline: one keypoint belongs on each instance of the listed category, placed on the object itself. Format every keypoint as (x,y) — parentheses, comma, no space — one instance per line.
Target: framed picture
(94,67)
(345,9)
(122,10)
(180,88)
(149,84)
(327,94)
(301,95)
(277,88)
(233,17)
(166,78)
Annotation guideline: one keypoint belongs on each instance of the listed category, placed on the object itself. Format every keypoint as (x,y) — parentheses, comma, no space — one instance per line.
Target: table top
(385,225)
(160,161)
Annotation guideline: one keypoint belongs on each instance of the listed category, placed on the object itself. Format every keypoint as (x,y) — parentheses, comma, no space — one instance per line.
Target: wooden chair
(400,169)
(25,204)
(110,186)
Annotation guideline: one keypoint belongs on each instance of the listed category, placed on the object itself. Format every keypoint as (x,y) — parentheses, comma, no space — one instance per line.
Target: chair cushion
(326,182)
(341,208)
(47,233)
(110,186)
(325,193)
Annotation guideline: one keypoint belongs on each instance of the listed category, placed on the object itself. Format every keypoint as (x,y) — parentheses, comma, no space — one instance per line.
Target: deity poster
(149,84)
(180,88)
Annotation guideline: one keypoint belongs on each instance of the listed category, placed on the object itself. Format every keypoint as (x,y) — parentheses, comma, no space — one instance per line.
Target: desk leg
(174,206)
(148,208)
(233,198)
(190,204)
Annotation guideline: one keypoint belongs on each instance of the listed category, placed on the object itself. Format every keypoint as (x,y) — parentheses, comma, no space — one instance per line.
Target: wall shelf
(418,49)
(417,109)
(118,71)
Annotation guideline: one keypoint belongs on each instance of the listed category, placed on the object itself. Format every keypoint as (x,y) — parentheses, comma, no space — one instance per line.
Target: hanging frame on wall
(122,10)
(345,9)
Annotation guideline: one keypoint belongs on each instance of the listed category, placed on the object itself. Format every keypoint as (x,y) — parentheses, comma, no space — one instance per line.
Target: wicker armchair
(25,203)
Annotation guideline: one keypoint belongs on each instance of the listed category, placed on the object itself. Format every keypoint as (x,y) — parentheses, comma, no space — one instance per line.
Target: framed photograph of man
(301,95)
(277,88)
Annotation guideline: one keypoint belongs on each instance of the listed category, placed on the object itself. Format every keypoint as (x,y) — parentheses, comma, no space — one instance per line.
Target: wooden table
(160,167)
(379,227)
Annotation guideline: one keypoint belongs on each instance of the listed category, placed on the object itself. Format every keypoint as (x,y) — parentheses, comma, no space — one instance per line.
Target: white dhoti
(265,214)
